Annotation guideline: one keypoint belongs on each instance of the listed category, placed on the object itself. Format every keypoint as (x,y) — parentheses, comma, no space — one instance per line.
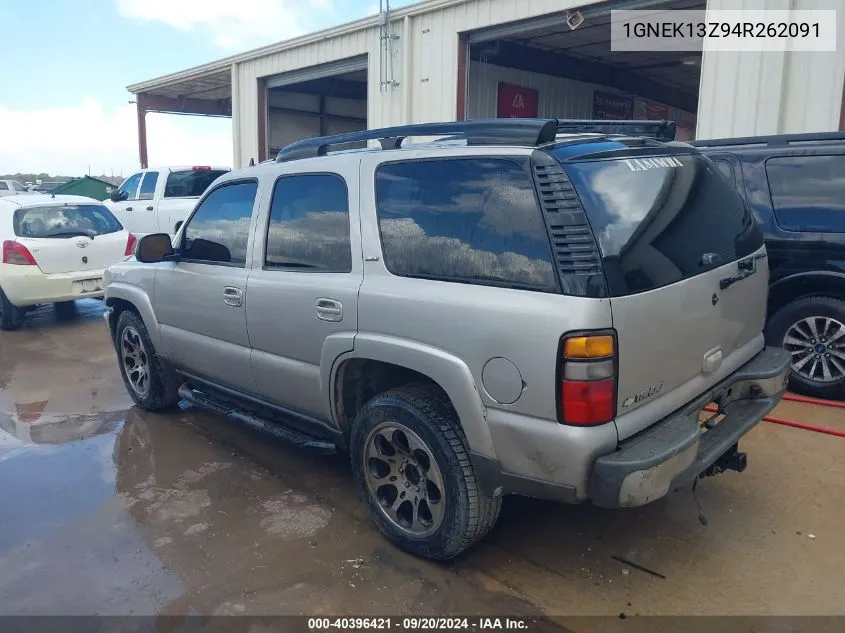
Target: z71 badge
(642,395)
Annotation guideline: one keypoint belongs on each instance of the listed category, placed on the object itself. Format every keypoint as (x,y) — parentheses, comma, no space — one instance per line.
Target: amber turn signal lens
(588,347)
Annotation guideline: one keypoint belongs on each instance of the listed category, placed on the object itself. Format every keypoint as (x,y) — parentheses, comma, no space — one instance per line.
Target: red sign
(516,102)
(650,110)
(610,106)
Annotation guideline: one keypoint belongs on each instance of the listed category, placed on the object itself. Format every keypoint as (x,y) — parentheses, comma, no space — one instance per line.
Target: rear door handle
(149,208)
(329,310)
(233,296)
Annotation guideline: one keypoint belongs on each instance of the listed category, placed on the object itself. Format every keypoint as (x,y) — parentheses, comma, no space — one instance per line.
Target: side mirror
(154,248)
(117,195)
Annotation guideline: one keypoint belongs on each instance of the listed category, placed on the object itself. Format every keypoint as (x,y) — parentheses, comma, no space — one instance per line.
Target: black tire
(781,322)
(65,310)
(11,316)
(469,515)
(162,383)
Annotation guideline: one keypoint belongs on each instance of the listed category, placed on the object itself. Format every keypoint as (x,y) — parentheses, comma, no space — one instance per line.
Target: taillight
(130,245)
(587,370)
(18,254)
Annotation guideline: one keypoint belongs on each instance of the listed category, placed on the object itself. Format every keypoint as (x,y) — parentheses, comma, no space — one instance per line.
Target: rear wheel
(812,329)
(150,381)
(411,465)
(11,316)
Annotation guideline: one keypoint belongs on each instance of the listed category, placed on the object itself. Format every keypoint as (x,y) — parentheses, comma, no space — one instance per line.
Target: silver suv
(509,309)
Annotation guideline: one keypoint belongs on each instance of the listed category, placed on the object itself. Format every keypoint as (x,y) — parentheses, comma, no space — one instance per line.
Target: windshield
(65,221)
(190,183)
(661,219)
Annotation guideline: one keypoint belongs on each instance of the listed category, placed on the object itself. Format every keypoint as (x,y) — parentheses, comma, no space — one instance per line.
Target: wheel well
(359,379)
(118,307)
(794,288)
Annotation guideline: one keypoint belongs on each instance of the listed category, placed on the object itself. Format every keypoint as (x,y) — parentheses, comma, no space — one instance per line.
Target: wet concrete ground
(105,509)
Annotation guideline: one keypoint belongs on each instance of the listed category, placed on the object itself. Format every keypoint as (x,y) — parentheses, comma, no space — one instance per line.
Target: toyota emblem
(82,243)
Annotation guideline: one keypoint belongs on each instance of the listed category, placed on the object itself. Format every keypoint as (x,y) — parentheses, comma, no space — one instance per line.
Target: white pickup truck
(159,200)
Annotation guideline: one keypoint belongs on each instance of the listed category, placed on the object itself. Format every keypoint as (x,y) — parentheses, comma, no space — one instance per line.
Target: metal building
(455,59)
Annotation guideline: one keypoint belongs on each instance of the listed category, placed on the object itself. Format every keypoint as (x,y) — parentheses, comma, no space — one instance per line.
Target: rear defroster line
(798,425)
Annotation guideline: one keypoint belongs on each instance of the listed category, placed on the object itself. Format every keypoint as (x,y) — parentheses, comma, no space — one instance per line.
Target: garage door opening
(542,67)
(317,101)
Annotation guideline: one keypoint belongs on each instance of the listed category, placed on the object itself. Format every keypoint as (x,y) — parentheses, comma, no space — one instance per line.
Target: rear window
(465,220)
(65,221)
(190,183)
(659,220)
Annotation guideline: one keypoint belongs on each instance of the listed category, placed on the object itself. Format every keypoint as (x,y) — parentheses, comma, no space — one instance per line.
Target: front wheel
(412,468)
(812,329)
(151,383)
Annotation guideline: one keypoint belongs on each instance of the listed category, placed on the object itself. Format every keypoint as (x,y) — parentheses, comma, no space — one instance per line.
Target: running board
(274,429)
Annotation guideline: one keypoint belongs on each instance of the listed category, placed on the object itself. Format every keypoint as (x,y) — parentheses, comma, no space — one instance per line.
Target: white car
(12,188)
(55,249)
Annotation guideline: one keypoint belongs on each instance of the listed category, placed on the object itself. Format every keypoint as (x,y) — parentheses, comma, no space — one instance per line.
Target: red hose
(798,425)
(807,400)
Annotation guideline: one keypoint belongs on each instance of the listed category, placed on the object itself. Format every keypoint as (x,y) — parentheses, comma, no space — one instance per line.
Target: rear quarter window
(469,220)
(808,192)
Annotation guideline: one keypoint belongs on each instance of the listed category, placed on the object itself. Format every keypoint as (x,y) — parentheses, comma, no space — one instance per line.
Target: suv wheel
(11,316)
(813,331)
(412,468)
(150,381)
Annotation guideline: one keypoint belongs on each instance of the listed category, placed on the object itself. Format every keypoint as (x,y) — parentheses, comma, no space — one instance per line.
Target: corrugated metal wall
(750,93)
(558,98)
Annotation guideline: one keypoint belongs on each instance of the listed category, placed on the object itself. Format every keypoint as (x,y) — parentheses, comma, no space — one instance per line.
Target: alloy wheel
(817,345)
(136,364)
(404,479)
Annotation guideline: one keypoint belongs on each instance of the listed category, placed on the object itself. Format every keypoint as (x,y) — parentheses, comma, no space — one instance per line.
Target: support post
(142,132)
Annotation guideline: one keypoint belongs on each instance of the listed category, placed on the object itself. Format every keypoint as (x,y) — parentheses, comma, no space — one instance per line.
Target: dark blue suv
(795,186)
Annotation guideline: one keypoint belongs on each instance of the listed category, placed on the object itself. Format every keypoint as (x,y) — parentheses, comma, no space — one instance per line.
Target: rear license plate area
(86,286)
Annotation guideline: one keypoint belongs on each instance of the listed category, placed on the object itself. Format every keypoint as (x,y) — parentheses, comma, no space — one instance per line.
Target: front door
(124,209)
(201,299)
(144,217)
(303,291)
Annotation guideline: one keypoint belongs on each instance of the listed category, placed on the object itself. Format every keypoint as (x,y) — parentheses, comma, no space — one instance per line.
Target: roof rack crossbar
(775,139)
(528,132)
(659,129)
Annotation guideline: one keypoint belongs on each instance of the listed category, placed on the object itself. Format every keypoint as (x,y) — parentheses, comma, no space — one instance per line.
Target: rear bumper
(675,452)
(27,285)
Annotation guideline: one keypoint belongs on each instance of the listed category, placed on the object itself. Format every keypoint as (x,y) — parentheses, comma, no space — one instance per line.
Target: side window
(218,230)
(18,187)
(309,224)
(808,192)
(3,186)
(727,169)
(130,186)
(148,186)
(465,220)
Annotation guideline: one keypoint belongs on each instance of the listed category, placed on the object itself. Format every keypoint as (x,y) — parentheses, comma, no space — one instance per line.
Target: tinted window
(726,168)
(468,220)
(309,224)
(148,185)
(18,187)
(191,183)
(219,229)
(65,221)
(3,186)
(130,185)
(808,192)
(656,218)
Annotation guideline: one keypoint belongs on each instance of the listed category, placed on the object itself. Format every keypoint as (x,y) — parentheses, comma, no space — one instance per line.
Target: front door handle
(128,208)
(233,296)
(329,310)
(149,208)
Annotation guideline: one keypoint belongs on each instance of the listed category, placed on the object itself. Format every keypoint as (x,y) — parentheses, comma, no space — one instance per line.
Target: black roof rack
(524,132)
(661,130)
(530,132)
(776,139)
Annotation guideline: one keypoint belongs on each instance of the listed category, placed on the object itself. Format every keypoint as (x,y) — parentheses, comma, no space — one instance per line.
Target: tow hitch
(732,459)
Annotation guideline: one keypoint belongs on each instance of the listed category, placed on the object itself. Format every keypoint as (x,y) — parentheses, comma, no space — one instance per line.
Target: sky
(64,68)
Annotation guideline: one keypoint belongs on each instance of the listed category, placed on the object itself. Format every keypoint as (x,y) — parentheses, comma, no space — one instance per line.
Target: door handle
(128,208)
(149,208)
(233,296)
(329,310)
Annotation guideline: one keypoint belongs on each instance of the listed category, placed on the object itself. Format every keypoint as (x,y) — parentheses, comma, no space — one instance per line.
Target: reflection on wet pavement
(106,509)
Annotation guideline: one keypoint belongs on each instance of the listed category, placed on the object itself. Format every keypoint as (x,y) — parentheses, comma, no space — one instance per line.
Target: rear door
(71,237)
(687,275)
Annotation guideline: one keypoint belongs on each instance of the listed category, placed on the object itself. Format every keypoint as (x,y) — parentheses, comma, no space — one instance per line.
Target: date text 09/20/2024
(418,624)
